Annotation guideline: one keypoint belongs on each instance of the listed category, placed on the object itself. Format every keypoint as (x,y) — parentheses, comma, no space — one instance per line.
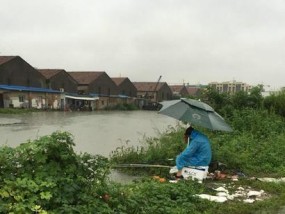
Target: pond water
(94,132)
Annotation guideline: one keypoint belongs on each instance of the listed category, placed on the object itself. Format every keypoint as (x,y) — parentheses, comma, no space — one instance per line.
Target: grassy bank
(256,146)
(16,110)
(255,149)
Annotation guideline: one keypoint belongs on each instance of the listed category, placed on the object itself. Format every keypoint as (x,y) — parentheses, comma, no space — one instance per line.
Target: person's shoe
(176,178)
(179,177)
(173,170)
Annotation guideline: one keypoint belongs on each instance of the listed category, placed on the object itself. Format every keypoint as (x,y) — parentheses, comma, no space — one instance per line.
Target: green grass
(17,110)
(256,148)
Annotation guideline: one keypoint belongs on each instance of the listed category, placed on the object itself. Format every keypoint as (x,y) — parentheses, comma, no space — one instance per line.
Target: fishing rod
(138,165)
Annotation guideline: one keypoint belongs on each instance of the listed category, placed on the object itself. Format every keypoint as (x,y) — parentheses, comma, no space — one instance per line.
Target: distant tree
(215,99)
(275,102)
(255,98)
(240,99)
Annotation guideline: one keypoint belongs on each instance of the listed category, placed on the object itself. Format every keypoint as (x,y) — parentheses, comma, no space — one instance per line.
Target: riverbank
(253,150)
(119,107)
(17,110)
(86,186)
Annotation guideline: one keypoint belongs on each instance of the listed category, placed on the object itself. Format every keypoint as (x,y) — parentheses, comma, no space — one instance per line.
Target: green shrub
(255,146)
(47,175)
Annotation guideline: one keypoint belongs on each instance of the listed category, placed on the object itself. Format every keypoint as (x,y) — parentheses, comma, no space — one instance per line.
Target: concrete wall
(32,100)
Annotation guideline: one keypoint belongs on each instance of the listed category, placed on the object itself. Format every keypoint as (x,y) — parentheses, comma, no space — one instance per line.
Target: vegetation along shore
(47,176)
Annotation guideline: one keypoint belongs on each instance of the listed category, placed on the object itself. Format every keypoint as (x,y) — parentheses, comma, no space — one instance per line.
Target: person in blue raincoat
(197,153)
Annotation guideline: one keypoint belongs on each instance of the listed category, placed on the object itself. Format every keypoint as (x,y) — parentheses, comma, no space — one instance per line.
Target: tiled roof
(48,73)
(192,90)
(119,80)
(85,77)
(148,86)
(4,59)
(176,88)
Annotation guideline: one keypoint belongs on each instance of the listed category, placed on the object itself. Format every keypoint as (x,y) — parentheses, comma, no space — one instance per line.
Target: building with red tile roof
(153,91)
(179,90)
(16,71)
(125,86)
(59,79)
(94,82)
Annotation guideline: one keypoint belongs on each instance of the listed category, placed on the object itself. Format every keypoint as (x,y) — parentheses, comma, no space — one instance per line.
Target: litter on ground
(275,180)
(247,195)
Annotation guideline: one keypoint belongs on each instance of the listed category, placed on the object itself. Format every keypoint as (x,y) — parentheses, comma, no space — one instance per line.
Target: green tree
(275,102)
(255,98)
(215,99)
(240,99)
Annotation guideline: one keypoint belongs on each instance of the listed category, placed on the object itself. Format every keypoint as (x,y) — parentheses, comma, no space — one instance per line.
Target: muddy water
(94,132)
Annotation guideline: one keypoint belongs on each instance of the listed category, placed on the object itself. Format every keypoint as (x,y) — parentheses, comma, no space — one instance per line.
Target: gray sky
(190,41)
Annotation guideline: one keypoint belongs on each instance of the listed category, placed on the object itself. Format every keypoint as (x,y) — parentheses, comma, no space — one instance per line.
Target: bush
(46,175)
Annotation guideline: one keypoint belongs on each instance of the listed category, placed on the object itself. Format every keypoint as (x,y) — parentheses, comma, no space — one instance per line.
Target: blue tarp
(31,89)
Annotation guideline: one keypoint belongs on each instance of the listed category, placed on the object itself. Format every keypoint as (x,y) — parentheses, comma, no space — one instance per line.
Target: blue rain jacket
(197,153)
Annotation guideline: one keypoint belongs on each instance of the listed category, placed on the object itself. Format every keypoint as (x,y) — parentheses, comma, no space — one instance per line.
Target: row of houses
(24,86)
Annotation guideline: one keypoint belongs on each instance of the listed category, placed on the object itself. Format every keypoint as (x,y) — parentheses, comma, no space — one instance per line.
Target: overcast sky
(185,41)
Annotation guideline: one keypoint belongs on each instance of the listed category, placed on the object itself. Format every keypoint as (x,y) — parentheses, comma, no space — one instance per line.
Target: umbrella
(194,112)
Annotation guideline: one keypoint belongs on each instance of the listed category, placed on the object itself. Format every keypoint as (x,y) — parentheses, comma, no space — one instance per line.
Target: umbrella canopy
(194,112)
